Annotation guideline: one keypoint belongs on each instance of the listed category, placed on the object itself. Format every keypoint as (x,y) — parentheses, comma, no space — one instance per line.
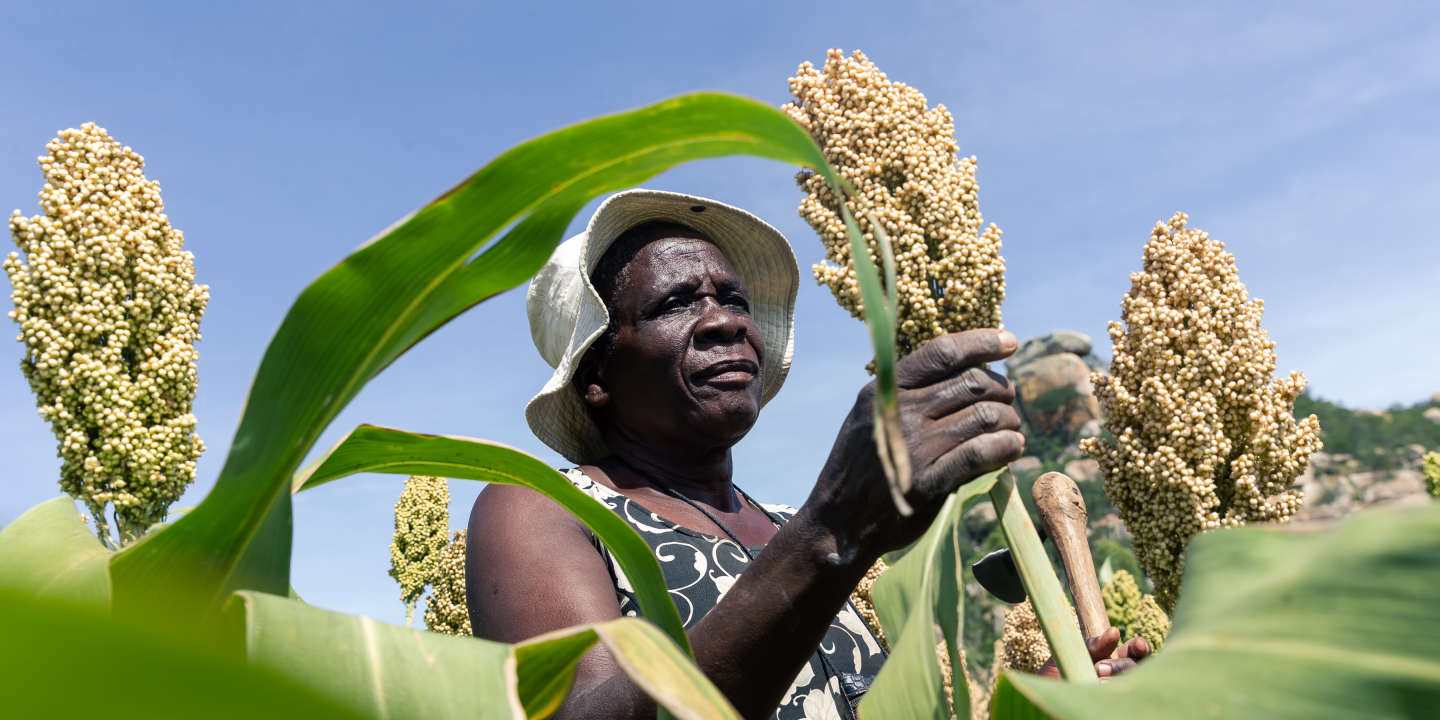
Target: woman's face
(684,368)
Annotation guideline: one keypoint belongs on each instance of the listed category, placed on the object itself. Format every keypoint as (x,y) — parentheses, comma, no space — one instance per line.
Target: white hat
(567,315)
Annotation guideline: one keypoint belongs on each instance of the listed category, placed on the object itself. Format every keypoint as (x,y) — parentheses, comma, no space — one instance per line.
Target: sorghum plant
(109,313)
(901,158)
(422,526)
(445,608)
(1133,612)
(1430,467)
(1204,434)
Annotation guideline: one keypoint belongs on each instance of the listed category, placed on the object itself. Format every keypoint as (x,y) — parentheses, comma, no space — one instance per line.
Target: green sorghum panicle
(1136,614)
(422,528)
(1430,467)
(1204,434)
(445,608)
(901,158)
(1150,623)
(1122,600)
(109,313)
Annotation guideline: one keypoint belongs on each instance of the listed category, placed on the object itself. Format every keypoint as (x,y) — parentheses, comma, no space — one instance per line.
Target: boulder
(1085,470)
(1060,341)
(979,520)
(1027,464)
(1432,414)
(1090,429)
(1055,394)
(1071,452)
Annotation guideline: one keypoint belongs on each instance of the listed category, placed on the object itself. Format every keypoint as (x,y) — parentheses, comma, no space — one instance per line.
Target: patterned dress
(699,569)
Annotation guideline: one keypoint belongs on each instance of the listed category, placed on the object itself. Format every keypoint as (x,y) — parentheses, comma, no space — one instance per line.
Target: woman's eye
(738,301)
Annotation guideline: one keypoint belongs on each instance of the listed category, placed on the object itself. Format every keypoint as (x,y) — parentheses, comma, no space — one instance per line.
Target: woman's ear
(588,383)
(594,395)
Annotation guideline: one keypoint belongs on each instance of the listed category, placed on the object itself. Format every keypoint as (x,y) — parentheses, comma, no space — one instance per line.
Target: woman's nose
(719,324)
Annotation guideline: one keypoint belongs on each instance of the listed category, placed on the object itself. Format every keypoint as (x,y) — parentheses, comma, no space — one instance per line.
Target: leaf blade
(364,313)
(1339,624)
(50,552)
(374,449)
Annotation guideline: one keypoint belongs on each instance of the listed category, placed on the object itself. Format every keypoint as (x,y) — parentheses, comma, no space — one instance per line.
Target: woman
(669,323)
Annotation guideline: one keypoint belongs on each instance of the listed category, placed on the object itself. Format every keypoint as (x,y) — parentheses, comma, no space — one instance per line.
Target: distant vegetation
(1374,440)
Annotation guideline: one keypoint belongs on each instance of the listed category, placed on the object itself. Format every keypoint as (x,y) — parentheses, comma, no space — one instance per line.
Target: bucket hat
(567,315)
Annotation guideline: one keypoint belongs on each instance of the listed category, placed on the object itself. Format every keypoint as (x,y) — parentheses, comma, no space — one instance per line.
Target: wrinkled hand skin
(1100,648)
(959,422)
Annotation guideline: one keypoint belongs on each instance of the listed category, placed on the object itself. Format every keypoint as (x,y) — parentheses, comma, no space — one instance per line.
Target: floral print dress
(699,569)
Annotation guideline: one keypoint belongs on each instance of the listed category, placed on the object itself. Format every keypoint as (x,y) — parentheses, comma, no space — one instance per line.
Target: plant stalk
(1041,584)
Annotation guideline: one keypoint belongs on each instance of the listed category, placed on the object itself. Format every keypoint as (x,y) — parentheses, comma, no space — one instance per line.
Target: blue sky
(285,134)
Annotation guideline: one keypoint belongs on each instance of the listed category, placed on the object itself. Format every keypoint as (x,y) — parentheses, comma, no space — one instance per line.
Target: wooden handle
(1062,513)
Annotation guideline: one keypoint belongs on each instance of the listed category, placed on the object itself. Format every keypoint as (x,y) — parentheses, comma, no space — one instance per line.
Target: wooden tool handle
(1062,513)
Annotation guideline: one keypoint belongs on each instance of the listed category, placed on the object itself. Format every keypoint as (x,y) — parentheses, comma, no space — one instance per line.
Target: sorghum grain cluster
(109,313)
(1133,612)
(864,601)
(445,608)
(1204,434)
(901,158)
(1022,644)
(422,527)
(1430,467)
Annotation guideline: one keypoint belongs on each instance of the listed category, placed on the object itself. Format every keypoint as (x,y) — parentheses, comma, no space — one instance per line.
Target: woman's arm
(532,568)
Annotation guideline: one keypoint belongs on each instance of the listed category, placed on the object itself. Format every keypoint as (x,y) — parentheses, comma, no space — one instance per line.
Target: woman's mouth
(728,374)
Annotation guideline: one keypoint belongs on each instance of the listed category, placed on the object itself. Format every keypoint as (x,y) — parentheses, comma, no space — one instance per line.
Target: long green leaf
(880,318)
(375,449)
(1278,624)
(379,670)
(75,660)
(1042,585)
(914,598)
(655,663)
(49,552)
(363,314)
(374,669)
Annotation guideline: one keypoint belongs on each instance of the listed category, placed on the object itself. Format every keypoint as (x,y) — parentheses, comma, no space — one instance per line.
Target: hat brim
(567,315)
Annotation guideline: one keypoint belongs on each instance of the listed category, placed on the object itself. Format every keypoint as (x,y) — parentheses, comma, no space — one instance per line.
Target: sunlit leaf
(68,660)
(364,313)
(376,449)
(1042,585)
(50,552)
(378,670)
(1274,624)
(919,599)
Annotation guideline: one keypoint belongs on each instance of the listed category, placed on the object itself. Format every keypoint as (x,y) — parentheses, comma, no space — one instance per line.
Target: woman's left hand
(1100,648)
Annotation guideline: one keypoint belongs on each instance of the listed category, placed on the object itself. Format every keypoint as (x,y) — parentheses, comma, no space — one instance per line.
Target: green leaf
(378,670)
(1276,624)
(364,313)
(374,669)
(880,318)
(1106,572)
(375,449)
(1042,585)
(917,596)
(75,660)
(648,656)
(50,552)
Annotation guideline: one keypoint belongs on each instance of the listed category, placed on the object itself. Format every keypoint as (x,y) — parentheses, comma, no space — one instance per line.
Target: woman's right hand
(959,422)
